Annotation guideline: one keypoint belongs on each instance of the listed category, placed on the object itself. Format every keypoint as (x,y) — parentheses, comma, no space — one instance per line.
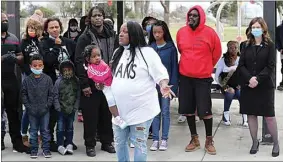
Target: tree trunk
(146,7)
(166,8)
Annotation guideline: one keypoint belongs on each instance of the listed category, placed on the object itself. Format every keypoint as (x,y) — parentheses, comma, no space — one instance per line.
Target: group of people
(123,83)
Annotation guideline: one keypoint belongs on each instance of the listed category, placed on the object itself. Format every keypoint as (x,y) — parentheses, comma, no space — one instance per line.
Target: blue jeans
(39,123)
(138,135)
(165,113)
(25,123)
(65,127)
(228,98)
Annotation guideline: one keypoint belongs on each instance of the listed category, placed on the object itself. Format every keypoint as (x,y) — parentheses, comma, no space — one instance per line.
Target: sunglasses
(193,15)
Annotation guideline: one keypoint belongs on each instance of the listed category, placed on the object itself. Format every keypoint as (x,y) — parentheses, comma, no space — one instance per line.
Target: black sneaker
(33,155)
(2,145)
(47,154)
(90,152)
(53,146)
(20,148)
(280,88)
(108,148)
(150,135)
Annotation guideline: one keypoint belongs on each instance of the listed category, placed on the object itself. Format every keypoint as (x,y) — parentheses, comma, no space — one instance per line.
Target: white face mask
(73,28)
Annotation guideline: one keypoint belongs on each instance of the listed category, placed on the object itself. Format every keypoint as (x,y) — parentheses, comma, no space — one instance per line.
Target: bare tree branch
(166,8)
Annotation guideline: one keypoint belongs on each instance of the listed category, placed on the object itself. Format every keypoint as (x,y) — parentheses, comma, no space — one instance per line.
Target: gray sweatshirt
(37,94)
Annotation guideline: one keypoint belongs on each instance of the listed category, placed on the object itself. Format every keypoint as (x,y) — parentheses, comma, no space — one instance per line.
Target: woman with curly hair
(257,70)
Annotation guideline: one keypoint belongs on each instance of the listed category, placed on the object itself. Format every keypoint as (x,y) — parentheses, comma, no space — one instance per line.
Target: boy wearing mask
(66,102)
(37,99)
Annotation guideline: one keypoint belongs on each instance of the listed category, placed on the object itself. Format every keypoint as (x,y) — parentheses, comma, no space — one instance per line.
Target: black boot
(20,147)
(53,146)
(108,148)
(90,151)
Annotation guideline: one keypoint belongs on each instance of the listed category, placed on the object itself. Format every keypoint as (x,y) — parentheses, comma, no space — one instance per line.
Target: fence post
(270,18)
(13,14)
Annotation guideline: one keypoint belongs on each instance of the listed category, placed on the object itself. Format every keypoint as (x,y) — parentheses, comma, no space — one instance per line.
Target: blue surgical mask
(257,32)
(36,72)
(148,29)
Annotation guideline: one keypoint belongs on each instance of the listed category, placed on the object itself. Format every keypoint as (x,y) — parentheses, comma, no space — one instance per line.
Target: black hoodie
(67,34)
(53,54)
(29,47)
(105,41)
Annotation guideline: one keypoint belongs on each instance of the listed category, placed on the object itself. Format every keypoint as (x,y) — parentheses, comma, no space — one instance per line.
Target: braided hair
(87,52)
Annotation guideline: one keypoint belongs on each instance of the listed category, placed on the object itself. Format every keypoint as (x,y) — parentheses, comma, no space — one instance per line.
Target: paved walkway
(232,143)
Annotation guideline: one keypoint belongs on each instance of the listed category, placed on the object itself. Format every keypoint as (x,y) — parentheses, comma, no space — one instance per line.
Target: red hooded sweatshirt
(200,49)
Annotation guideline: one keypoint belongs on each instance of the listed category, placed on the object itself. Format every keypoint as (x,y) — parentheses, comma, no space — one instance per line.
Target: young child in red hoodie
(100,73)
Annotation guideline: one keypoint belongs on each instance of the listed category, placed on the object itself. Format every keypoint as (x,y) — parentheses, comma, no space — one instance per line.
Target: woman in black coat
(257,70)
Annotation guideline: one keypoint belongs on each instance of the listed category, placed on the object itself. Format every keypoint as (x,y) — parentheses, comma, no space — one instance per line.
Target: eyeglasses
(193,15)
(98,15)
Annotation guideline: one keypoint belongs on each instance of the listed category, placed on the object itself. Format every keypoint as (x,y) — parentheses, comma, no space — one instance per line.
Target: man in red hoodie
(200,50)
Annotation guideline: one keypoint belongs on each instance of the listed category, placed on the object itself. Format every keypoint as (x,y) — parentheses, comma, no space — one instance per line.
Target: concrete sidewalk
(232,143)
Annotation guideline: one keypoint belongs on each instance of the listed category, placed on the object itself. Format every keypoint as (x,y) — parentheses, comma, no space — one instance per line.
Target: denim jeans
(228,98)
(25,123)
(165,113)
(39,123)
(137,134)
(65,128)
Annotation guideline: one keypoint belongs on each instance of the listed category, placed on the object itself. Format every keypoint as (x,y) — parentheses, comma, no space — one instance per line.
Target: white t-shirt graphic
(135,89)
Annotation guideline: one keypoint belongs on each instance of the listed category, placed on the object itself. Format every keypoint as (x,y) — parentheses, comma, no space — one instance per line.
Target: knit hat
(36,22)
(37,16)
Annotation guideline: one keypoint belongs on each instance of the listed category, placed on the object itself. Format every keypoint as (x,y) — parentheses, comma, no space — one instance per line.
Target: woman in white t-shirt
(226,76)
(136,71)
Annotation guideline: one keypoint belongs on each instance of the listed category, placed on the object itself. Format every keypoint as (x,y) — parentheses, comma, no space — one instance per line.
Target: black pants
(52,122)
(96,115)
(282,72)
(11,92)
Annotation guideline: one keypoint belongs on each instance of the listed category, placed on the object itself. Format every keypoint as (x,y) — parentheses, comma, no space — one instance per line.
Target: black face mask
(4,27)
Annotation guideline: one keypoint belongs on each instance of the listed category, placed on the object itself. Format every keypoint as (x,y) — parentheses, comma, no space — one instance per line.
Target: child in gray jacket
(37,99)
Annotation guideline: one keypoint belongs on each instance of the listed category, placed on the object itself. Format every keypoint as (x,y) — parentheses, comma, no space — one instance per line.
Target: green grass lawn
(230,32)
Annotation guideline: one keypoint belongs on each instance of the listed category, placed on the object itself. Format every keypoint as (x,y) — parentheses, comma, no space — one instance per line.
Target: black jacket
(259,63)
(29,47)
(37,94)
(104,41)
(279,37)
(53,54)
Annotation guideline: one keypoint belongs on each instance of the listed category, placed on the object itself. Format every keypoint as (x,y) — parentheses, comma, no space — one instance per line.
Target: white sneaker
(197,119)
(120,122)
(163,146)
(228,123)
(69,149)
(226,118)
(245,124)
(132,145)
(62,150)
(182,119)
(154,146)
